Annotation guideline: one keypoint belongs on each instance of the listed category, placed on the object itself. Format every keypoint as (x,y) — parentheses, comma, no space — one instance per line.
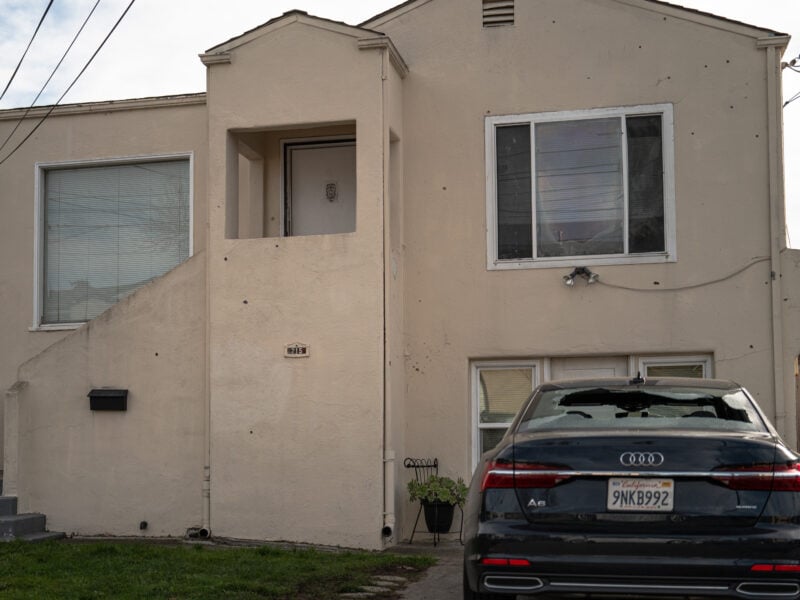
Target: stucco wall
(92,132)
(297,443)
(566,55)
(790,301)
(97,472)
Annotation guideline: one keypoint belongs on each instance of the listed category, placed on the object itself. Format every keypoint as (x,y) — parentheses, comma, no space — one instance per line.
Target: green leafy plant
(438,489)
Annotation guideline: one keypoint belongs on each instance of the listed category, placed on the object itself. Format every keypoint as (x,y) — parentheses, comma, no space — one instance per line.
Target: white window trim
(38,220)
(668,154)
(705,360)
(475,368)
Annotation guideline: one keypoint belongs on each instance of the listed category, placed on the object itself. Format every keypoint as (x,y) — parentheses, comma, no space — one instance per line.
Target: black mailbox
(108,399)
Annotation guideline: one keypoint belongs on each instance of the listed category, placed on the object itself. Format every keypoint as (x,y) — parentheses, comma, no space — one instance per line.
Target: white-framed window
(699,365)
(595,186)
(104,229)
(500,387)
(498,390)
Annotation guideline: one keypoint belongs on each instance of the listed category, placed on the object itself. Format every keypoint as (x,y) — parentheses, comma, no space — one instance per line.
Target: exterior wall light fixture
(569,280)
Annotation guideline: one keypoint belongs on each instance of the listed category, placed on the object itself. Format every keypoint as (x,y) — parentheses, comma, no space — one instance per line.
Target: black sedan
(668,487)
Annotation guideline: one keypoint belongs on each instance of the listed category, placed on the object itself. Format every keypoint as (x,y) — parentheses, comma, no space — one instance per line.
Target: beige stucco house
(358,246)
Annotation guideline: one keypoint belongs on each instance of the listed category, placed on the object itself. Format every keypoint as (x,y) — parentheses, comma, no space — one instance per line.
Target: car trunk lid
(673,482)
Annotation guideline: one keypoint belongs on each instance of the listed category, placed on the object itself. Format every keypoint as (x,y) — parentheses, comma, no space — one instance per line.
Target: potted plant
(439,497)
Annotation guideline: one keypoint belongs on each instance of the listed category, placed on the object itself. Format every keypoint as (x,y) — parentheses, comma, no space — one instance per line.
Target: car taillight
(766,477)
(787,478)
(778,568)
(505,562)
(521,475)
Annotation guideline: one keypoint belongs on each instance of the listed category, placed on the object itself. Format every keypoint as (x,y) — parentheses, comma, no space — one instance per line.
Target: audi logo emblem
(641,459)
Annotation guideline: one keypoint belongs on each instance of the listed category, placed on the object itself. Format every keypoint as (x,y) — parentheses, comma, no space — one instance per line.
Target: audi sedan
(668,487)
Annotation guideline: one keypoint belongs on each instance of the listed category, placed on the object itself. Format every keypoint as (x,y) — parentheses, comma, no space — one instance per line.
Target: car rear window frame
(584,402)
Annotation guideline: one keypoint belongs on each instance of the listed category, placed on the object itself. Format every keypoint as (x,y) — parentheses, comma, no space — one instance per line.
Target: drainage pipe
(387,531)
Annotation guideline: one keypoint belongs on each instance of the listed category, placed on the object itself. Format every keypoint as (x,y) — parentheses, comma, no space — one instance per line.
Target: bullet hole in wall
(244,301)
(156,353)
(225,259)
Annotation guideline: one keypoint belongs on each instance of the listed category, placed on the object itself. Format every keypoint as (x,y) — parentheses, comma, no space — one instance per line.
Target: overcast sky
(154,50)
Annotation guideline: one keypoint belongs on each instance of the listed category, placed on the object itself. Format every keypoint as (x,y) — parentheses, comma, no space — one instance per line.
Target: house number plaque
(296,350)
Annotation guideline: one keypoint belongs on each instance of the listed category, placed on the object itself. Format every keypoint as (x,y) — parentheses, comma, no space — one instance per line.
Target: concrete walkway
(443,580)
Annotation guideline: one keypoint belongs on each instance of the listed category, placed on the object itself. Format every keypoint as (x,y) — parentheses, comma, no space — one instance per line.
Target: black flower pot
(438,516)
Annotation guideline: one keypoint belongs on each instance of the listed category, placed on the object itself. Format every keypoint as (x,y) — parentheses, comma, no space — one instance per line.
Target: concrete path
(443,580)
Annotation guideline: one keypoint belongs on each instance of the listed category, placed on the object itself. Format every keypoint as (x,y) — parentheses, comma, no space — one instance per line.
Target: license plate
(635,494)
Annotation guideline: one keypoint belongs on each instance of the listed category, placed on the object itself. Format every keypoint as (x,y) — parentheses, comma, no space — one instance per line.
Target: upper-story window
(594,186)
(106,229)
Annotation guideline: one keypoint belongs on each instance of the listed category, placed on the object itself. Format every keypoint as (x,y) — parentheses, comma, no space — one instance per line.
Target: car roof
(621,383)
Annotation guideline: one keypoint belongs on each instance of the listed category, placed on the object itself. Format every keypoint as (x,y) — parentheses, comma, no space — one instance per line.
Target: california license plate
(639,494)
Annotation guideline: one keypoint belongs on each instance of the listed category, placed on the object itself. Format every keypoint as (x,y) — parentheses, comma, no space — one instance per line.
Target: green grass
(89,570)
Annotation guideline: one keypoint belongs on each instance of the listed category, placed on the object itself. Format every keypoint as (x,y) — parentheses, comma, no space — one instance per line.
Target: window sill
(584,261)
(56,327)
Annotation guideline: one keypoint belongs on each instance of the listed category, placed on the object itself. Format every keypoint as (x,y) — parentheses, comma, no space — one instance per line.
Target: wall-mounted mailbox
(108,399)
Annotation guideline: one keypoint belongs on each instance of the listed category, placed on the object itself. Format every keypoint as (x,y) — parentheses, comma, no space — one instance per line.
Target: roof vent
(497,13)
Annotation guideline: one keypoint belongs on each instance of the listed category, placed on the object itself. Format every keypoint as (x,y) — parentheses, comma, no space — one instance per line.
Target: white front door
(321,188)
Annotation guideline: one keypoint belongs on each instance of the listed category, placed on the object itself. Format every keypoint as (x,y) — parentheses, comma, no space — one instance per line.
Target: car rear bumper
(698,565)
(543,583)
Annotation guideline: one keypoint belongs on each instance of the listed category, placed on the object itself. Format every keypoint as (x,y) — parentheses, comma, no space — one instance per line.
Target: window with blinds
(593,183)
(499,389)
(108,230)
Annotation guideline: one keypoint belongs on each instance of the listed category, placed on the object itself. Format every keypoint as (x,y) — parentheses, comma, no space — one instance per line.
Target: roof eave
(660,6)
(285,19)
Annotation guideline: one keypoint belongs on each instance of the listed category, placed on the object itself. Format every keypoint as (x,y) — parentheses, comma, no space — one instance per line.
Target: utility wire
(792,99)
(63,56)
(19,64)
(74,81)
(755,261)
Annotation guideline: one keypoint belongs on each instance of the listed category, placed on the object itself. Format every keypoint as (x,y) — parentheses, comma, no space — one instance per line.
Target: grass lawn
(149,570)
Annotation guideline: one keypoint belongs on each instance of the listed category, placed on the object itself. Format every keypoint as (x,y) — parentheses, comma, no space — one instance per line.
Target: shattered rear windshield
(642,408)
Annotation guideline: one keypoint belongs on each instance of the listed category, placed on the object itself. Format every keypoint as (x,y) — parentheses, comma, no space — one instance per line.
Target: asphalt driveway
(443,581)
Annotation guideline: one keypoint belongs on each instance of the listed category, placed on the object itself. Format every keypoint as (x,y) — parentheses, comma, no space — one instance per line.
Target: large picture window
(108,229)
(592,184)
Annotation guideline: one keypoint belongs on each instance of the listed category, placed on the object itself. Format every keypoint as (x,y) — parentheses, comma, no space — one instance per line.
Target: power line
(754,261)
(74,81)
(63,56)
(19,64)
